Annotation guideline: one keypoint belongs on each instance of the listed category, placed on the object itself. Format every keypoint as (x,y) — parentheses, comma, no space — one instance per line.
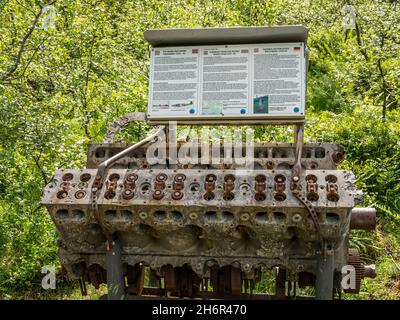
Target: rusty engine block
(208,230)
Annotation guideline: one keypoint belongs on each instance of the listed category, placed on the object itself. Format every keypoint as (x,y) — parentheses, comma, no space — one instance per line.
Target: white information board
(258,81)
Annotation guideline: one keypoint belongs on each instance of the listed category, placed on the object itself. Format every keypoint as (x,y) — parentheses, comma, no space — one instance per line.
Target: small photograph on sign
(177,106)
(261,105)
(181,105)
(212,107)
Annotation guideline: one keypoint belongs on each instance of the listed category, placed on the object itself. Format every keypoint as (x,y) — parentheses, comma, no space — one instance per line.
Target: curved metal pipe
(105,164)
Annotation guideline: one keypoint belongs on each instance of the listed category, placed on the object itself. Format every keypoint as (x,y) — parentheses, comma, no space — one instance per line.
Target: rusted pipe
(107,163)
(369,271)
(299,148)
(363,219)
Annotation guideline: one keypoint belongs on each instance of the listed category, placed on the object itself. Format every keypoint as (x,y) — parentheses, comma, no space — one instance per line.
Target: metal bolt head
(296,217)
(193,215)
(143,215)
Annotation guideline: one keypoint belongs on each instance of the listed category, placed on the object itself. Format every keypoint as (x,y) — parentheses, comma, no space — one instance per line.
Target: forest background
(69,68)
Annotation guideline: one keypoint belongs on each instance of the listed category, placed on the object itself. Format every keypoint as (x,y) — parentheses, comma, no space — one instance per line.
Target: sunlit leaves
(92,66)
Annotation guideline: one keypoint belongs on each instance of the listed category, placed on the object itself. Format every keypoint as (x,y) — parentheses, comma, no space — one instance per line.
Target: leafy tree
(69,68)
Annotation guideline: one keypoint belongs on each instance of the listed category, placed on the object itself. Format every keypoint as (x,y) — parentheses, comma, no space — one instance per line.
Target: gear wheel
(353,259)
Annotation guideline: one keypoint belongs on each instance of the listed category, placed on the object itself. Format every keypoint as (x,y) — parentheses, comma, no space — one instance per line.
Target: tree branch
(22,47)
(32,56)
(26,8)
(384,89)
(21,50)
(39,167)
(84,94)
(359,42)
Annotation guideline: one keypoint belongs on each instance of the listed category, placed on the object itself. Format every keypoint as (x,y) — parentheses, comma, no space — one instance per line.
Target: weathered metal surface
(266,156)
(115,276)
(122,121)
(325,274)
(204,225)
(363,219)
(208,36)
(361,270)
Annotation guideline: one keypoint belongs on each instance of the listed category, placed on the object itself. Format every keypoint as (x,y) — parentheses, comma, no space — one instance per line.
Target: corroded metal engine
(208,230)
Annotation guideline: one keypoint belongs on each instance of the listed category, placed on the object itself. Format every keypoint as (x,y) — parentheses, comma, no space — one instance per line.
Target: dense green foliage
(61,84)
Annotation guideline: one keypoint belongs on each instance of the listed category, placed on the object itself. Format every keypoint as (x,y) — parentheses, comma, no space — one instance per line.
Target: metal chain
(311,211)
(296,171)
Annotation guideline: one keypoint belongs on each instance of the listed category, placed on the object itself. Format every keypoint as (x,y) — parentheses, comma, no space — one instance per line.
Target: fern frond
(387,211)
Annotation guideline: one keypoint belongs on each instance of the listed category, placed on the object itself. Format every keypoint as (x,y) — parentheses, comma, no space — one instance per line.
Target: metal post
(299,139)
(280,287)
(115,276)
(324,276)
(295,134)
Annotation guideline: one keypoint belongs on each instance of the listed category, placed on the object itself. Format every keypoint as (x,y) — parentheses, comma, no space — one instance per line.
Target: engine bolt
(127,194)
(158,194)
(177,195)
(143,215)
(80,194)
